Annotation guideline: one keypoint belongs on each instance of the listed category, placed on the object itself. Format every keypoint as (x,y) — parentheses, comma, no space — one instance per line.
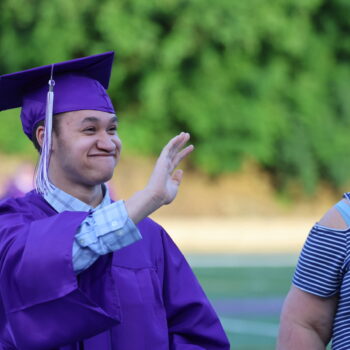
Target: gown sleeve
(192,322)
(45,303)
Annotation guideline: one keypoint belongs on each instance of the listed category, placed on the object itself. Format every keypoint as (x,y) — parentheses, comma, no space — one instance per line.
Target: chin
(97,175)
(100,179)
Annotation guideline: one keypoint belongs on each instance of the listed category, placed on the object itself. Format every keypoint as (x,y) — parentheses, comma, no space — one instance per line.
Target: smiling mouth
(102,155)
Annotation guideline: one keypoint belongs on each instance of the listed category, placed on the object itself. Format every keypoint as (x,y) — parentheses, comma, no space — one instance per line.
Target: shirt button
(82,241)
(120,233)
(114,223)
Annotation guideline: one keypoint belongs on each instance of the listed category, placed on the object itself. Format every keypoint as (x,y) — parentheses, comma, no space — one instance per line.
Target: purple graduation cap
(60,87)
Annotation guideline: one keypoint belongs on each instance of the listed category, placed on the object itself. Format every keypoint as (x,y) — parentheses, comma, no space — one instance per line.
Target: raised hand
(164,182)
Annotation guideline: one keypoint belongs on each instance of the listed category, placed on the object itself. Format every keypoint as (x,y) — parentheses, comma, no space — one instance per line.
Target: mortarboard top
(13,86)
(79,84)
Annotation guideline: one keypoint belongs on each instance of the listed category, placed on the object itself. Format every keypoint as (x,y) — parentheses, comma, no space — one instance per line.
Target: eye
(112,129)
(89,130)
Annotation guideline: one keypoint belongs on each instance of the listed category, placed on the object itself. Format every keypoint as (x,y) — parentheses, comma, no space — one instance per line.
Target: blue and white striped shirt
(106,229)
(323,270)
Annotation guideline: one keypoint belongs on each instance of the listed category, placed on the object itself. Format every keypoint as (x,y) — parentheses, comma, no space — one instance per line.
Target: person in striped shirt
(317,308)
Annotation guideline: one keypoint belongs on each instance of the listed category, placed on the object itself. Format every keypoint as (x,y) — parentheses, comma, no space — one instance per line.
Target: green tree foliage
(261,80)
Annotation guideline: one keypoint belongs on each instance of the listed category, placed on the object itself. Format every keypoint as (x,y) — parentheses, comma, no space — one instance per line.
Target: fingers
(183,139)
(181,155)
(176,143)
(173,151)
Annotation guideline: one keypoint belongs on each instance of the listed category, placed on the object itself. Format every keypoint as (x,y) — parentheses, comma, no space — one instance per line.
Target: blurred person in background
(21,182)
(317,308)
(79,271)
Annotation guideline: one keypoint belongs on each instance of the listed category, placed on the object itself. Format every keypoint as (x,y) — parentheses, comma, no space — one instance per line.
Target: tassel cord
(42,181)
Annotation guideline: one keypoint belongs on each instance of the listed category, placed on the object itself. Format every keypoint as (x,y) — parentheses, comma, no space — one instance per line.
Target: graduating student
(78,271)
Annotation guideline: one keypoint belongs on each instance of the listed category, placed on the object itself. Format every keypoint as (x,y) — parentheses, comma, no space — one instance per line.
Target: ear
(40,131)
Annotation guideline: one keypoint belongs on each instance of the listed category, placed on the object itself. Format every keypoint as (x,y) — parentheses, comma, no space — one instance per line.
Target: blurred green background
(263,82)
(260,80)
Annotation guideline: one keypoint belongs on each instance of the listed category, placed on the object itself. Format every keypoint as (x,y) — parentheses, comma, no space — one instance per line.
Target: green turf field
(248,300)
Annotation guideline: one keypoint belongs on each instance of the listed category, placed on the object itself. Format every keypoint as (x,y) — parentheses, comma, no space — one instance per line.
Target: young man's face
(86,148)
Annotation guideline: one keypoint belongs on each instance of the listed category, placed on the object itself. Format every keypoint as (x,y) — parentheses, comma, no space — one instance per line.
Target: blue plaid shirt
(106,229)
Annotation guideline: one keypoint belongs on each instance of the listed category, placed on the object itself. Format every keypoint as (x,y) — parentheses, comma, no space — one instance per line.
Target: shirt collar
(63,201)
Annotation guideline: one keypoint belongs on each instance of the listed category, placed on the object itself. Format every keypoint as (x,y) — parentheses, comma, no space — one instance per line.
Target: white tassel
(42,181)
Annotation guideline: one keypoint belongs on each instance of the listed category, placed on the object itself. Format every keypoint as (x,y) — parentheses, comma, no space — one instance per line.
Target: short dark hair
(55,129)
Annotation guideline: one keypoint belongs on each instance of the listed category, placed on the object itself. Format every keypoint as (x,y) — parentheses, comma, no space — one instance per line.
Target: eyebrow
(92,119)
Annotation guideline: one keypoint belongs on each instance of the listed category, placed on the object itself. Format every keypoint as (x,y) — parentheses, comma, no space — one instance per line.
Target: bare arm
(164,182)
(306,321)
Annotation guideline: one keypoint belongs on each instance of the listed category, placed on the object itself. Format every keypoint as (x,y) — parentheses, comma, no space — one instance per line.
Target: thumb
(177,176)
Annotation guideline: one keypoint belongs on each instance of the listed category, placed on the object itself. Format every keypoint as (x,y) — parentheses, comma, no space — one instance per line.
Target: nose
(108,143)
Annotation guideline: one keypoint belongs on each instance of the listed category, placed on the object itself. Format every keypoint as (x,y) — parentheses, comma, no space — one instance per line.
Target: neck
(91,195)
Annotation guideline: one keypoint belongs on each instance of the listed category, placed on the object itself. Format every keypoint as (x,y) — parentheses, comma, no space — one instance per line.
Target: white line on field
(249,327)
(212,261)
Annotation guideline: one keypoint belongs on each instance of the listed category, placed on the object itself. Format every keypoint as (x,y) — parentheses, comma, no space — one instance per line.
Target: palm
(164,181)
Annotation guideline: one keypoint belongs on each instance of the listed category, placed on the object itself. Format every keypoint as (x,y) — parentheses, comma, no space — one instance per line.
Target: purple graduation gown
(142,297)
